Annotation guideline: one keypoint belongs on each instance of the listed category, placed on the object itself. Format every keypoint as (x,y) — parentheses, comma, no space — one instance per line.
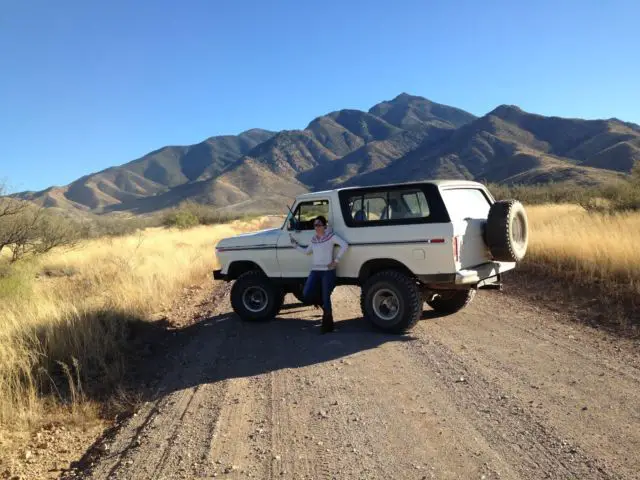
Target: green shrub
(181,219)
(189,214)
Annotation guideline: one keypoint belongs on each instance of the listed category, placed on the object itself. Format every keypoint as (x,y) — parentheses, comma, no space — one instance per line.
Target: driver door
(294,264)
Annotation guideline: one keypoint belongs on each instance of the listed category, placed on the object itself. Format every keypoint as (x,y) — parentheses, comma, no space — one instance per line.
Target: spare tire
(507,231)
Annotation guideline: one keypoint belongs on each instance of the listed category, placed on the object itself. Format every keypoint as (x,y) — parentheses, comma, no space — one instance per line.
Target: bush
(181,219)
(189,214)
(114,226)
(34,231)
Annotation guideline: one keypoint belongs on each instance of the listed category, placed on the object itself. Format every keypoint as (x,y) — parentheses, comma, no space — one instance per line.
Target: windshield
(287,217)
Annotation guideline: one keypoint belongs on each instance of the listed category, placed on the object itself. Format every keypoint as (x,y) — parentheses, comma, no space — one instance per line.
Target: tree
(27,229)
(10,206)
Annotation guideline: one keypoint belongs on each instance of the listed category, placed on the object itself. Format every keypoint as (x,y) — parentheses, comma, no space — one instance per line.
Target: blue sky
(88,85)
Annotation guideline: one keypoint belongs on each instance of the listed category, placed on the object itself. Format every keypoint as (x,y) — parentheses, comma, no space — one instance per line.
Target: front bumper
(218,275)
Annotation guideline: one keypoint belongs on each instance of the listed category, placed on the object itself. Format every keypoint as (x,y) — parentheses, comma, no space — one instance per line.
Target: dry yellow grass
(70,323)
(65,326)
(588,248)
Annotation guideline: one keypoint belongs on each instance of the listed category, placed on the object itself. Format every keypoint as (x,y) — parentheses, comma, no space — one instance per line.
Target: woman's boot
(327,322)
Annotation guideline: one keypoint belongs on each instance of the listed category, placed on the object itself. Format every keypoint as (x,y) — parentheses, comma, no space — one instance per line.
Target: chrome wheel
(255,299)
(386,304)
(519,231)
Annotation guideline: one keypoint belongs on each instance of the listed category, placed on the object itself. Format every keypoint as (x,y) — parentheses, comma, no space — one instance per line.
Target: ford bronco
(434,242)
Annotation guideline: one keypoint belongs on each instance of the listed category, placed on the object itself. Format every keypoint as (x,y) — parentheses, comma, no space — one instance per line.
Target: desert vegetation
(623,195)
(72,290)
(68,309)
(589,248)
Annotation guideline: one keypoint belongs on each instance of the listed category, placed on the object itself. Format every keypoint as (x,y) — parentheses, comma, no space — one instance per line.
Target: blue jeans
(326,281)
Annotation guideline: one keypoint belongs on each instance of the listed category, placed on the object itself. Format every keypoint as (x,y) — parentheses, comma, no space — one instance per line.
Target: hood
(261,237)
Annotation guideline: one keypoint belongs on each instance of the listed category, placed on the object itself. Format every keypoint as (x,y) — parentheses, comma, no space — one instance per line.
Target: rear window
(393,205)
(465,203)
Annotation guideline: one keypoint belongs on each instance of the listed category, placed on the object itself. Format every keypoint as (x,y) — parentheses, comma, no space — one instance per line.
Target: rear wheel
(450,301)
(391,301)
(255,298)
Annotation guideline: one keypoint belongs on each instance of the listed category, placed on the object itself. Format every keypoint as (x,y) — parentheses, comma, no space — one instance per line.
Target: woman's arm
(305,250)
(343,247)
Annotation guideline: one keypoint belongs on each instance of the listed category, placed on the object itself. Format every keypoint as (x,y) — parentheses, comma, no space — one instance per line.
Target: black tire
(507,231)
(451,301)
(388,285)
(255,298)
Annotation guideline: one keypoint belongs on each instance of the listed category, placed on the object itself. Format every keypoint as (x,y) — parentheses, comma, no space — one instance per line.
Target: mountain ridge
(405,138)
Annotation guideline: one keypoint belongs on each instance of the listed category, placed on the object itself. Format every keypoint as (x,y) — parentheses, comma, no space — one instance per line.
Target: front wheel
(450,301)
(255,298)
(391,301)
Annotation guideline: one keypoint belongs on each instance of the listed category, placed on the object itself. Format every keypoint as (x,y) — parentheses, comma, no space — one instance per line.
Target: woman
(323,272)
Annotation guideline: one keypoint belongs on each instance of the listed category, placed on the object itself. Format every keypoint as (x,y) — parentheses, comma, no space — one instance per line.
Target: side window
(416,204)
(466,203)
(306,213)
(369,207)
(393,206)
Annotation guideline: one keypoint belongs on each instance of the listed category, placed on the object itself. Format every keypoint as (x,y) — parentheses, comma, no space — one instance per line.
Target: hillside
(406,138)
(153,174)
(511,146)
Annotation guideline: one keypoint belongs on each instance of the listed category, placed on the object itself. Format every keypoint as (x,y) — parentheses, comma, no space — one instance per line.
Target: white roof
(439,183)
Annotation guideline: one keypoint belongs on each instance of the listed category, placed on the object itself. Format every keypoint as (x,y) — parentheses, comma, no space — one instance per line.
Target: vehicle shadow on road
(223,347)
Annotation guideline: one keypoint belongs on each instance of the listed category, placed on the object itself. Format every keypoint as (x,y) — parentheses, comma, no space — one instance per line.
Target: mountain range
(405,139)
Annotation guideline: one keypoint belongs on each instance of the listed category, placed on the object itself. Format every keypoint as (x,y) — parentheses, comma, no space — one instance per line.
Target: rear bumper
(218,275)
(486,275)
(475,275)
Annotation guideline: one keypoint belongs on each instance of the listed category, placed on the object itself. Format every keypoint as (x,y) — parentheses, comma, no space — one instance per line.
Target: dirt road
(501,390)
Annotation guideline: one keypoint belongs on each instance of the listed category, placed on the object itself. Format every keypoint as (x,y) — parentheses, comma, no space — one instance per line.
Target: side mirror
(292,224)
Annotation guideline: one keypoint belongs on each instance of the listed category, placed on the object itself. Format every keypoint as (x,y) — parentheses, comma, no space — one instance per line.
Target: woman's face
(319,227)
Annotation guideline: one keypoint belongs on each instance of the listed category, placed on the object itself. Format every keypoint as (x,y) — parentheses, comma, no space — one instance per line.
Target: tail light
(456,248)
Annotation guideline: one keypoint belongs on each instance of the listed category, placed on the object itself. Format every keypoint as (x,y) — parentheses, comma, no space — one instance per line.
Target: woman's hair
(322,219)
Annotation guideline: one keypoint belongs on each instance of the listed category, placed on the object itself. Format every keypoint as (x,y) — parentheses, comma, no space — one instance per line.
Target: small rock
(323,414)
(461,380)
(43,445)
(584,408)
(320,444)
(103,447)
(277,458)
(231,468)
(28,454)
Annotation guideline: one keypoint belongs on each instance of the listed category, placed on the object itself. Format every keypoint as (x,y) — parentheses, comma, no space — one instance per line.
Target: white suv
(434,241)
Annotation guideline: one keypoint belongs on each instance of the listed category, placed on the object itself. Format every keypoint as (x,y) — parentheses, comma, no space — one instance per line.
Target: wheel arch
(239,267)
(373,266)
